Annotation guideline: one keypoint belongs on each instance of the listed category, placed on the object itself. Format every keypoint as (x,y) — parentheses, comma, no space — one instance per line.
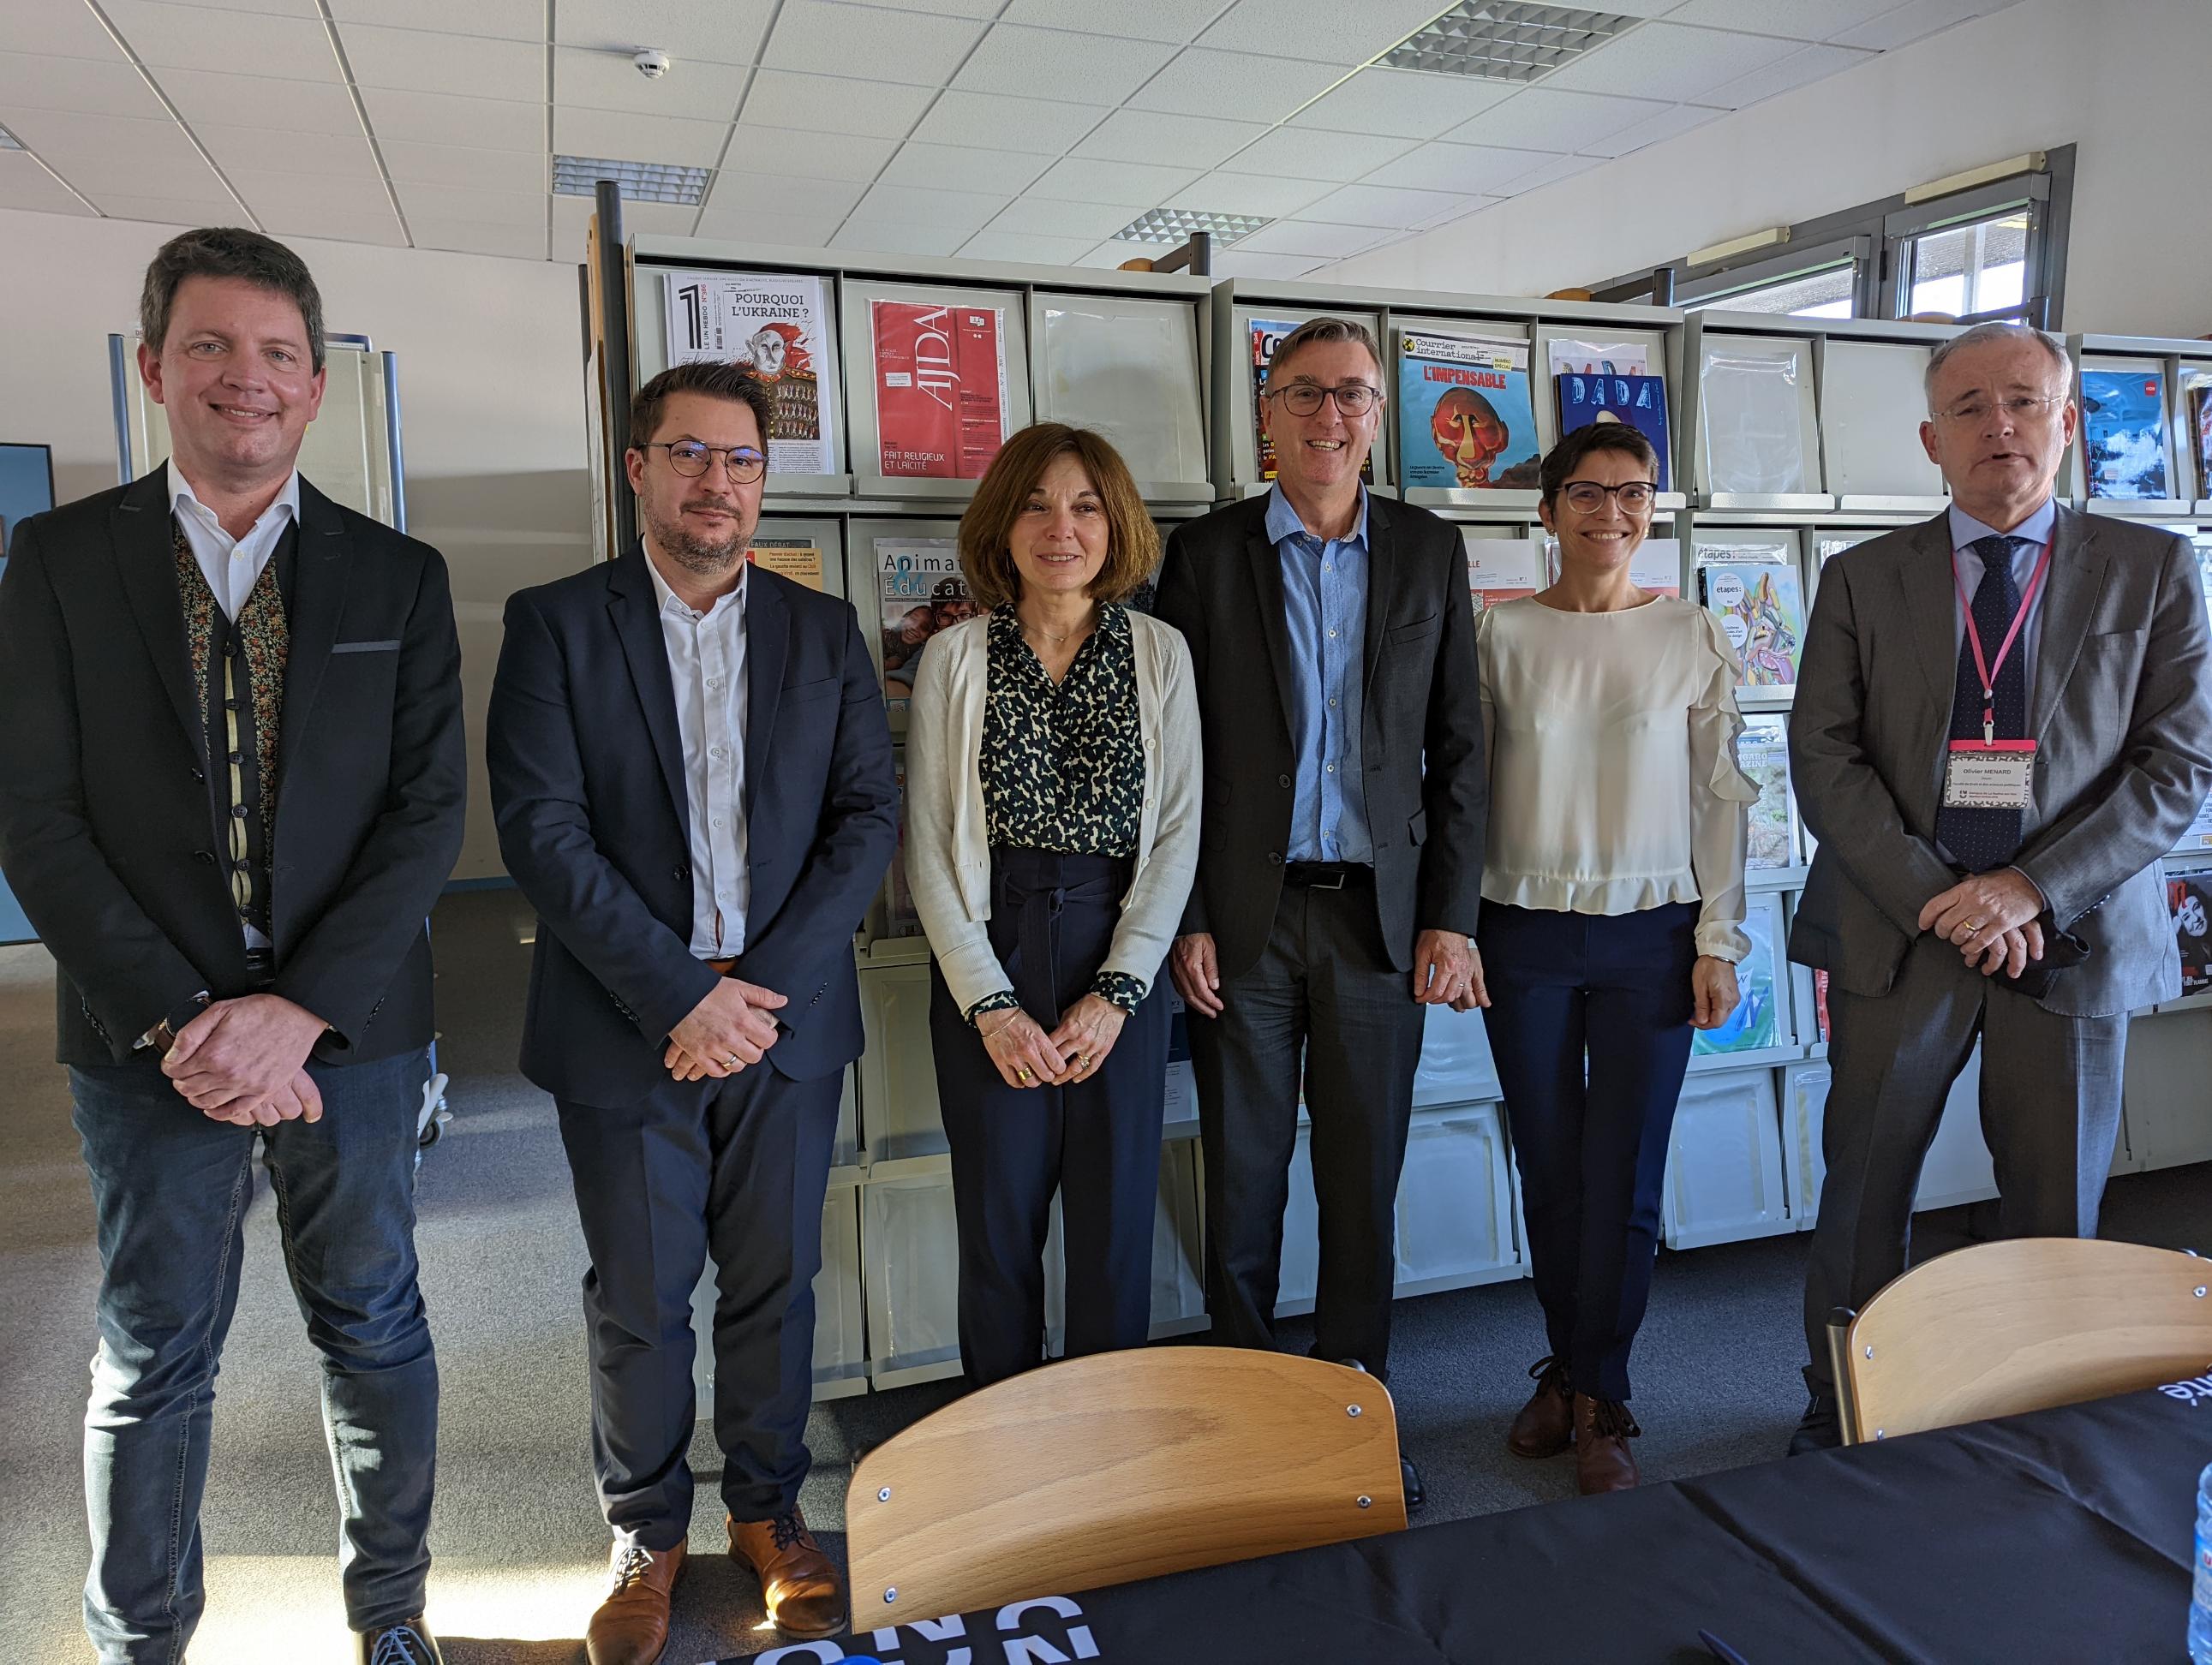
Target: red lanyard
(1983,668)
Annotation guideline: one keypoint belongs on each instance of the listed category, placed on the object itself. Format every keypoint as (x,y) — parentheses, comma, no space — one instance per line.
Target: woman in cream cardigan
(1612,920)
(1051,839)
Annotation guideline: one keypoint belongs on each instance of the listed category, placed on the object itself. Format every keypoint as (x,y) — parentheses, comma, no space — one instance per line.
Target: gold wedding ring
(1024,1074)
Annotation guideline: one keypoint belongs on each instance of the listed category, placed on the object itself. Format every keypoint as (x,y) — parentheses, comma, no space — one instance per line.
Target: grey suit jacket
(2122,713)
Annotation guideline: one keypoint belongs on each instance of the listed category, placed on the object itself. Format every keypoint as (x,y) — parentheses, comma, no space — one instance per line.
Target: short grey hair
(1984,335)
(1316,330)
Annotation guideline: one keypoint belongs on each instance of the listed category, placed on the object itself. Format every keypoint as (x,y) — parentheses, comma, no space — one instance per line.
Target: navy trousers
(1589,1024)
(737,1169)
(1096,1142)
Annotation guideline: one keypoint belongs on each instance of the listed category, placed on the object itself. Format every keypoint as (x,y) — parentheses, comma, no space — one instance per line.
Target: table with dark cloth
(2059,1535)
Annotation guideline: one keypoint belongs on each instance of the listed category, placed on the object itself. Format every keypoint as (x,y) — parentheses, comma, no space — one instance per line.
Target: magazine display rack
(1785,440)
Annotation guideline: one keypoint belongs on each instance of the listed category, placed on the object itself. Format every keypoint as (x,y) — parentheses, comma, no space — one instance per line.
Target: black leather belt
(1325,875)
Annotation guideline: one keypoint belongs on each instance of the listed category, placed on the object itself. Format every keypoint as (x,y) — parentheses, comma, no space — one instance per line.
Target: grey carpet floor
(517,1540)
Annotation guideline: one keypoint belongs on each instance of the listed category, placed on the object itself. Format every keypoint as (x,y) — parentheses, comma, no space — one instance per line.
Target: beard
(703,557)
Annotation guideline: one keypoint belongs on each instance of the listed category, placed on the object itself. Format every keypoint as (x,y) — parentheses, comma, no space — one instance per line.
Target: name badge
(1997,775)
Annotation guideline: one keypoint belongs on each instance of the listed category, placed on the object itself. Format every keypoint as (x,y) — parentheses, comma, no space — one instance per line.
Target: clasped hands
(1026,1056)
(244,1061)
(1991,919)
(734,1026)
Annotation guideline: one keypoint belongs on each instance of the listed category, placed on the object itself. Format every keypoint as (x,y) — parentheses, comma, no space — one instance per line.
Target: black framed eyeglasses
(1303,399)
(1587,496)
(690,458)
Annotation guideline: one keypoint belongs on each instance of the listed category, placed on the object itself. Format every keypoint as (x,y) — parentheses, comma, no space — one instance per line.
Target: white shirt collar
(734,602)
(184,499)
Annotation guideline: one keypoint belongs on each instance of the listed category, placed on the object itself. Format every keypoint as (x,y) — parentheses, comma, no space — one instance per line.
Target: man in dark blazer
(1340,862)
(692,776)
(2063,661)
(231,779)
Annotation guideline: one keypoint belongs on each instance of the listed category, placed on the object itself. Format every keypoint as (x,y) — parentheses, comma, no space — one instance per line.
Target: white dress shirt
(232,566)
(707,664)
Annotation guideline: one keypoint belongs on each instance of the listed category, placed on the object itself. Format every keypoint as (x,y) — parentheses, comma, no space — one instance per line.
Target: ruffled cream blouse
(1614,784)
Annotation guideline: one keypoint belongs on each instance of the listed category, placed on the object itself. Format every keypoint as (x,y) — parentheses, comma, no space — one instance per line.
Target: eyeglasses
(1587,496)
(1303,399)
(689,458)
(2020,409)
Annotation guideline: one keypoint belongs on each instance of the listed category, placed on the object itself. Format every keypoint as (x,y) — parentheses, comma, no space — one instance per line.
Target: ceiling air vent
(641,182)
(1175,225)
(1491,41)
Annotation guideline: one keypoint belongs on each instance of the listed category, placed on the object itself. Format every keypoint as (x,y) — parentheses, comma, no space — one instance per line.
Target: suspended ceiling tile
(1539,119)
(340,155)
(465,165)
(1004,123)
(481,124)
(1800,68)
(1013,59)
(219,210)
(314,219)
(1026,247)
(1471,170)
(1045,216)
(474,237)
(1240,262)
(1130,184)
(1238,86)
(1550,171)
(496,208)
(725,31)
(114,153)
(1402,103)
(1667,61)
(571,214)
(463,66)
(958,167)
(965,211)
(1269,195)
(307,106)
(798,231)
(172,37)
(271,194)
(1302,153)
(504,20)
(1147,136)
(106,87)
(25,185)
(738,191)
(1806,20)
(976,9)
(664,139)
(1666,125)
(1392,207)
(1312,237)
(873,109)
(1325,31)
(608,80)
(1914,21)
(61,28)
(906,237)
(875,45)
(1175,21)
(813,154)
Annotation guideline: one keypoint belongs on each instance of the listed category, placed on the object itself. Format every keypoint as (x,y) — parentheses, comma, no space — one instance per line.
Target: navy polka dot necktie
(1979,840)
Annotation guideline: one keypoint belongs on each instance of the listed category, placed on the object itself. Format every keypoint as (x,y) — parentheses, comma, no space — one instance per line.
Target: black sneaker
(409,1642)
(1415,1495)
(1821,1428)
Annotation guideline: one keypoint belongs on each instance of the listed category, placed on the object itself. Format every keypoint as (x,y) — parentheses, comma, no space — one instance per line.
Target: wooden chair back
(1117,1467)
(2023,1325)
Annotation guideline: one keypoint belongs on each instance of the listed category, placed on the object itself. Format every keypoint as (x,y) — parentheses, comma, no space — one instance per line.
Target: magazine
(2197,390)
(1760,606)
(1465,419)
(2124,434)
(940,382)
(1656,565)
(900,917)
(1639,401)
(798,559)
(1502,569)
(1755,1024)
(2189,899)
(2198,841)
(1762,753)
(1828,544)
(1265,335)
(1821,1003)
(920,590)
(1597,358)
(779,323)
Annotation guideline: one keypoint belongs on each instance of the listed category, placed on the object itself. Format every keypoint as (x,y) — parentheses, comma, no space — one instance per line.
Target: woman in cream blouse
(1051,838)
(1612,919)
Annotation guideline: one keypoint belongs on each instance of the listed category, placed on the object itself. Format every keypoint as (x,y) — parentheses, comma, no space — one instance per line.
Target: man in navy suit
(692,778)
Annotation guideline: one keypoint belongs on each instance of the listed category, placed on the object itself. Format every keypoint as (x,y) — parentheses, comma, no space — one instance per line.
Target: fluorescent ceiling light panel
(1175,225)
(1490,40)
(641,182)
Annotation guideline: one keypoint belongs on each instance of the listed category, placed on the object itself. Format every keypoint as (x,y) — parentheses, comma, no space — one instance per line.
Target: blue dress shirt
(1965,529)
(1325,605)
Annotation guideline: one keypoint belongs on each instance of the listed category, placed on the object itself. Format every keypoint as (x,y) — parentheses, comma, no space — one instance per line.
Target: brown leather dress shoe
(631,1625)
(1603,1428)
(803,1593)
(1546,1426)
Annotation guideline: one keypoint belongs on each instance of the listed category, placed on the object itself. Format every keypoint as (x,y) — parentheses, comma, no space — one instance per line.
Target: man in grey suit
(1992,780)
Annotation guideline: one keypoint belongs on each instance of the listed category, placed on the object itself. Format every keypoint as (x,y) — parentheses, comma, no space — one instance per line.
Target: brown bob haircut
(1561,461)
(1132,542)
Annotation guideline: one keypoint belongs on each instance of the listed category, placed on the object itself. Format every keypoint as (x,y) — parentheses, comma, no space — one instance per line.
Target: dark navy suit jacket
(587,787)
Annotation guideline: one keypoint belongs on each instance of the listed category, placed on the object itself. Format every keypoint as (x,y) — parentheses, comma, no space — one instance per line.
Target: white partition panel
(1455,1212)
(909,1260)
(1804,1113)
(1725,1163)
(1456,1067)
(898,1074)
(1301,1269)
(2168,1109)
(1958,1169)
(1178,1249)
(840,1326)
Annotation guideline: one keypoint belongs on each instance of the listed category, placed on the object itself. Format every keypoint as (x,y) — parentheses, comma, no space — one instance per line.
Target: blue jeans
(170,1189)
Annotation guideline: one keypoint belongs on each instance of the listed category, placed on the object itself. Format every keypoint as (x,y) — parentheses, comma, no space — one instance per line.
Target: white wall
(491,390)
(2125,80)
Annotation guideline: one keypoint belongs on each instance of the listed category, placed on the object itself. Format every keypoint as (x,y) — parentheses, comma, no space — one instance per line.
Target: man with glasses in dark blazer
(1340,866)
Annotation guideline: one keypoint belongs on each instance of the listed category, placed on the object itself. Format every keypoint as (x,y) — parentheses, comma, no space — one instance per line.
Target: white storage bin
(898,1075)
(1804,1110)
(1958,1169)
(1455,1212)
(1301,1263)
(847,1150)
(1456,1063)
(1178,1253)
(1724,1162)
(2168,1106)
(840,1332)
(909,1261)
